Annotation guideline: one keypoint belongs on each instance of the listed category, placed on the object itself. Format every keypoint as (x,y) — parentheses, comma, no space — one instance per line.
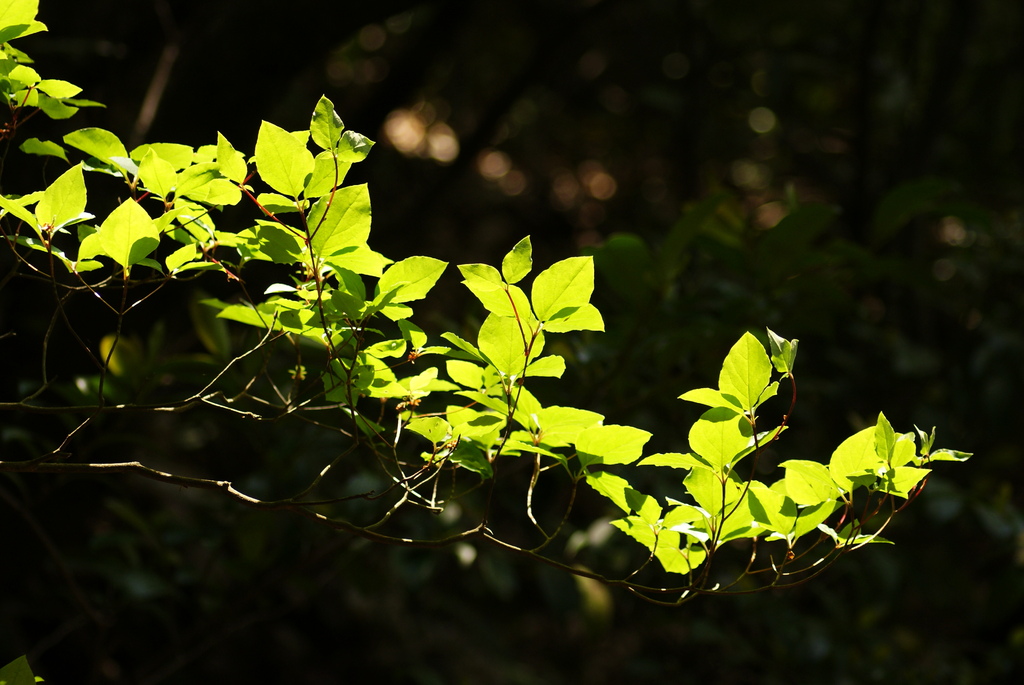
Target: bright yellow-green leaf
(518,262)
(433,428)
(177,155)
(565,284)
(230,161)
(64,201)
(855,462)
(157,174)
(411,279)
(559,426)
(676,460)
(183,255)
(326,126)
(745,372)
(720,436)
(712,398)
(34,146)
(611,486)
(551,366)
(583,318)
(901,480)
(610,444)
(101,144)
(340,222)
(328,174)
(502,341)
(282,160)
(808,482)
(128,235)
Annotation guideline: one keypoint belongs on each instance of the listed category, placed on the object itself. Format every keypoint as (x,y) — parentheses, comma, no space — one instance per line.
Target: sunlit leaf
(610,444)
(518,262)
(283,161)
(745,372)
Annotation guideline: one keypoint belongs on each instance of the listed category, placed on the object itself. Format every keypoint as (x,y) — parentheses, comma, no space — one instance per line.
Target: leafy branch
(435,427)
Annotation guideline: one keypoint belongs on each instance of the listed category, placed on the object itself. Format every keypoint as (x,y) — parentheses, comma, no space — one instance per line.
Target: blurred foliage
(878,144)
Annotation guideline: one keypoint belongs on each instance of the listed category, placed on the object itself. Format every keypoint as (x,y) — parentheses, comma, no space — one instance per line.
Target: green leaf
(203,183)
(676,460)
(855,463)
(99,143)
(712,398)
(567,284)
(585,318)
(359,259)
(180,257)
(413,333)
(501,341)
(64,201)
(411,279)
(494,294)
(611,486)
(230,161)
(811,518)
(551,366)
(468,349)
(433,428)
(128,235)
(353,147)
(177,155)
(474,424)
(276,203)
(746,372)
(472,458)
(387,348)
(15,12)
(34,146)
(328,174)
(773,510)
(721,437)
(847,538)
(610,444)
(157,174)
(559,426)
(665,544)
(325,127)
(268,240)
(18,672)
(498,405)
(927,440)
(885,439)
(57,88)
(783,352)
(283,161)
(18,18)
(808,482)
(17,207)
(950,455)
(713,491)
(341,222)
(466,374)
(646,507)
(904,451)
(902,479)
(518,262)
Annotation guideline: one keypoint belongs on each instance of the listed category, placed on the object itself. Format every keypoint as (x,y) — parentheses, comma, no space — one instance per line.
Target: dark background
(669,138)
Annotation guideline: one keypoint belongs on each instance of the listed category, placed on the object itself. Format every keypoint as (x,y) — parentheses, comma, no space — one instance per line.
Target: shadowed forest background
(848,173)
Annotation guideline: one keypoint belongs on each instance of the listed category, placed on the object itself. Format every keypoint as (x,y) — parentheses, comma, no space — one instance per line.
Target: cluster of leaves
(336,346)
